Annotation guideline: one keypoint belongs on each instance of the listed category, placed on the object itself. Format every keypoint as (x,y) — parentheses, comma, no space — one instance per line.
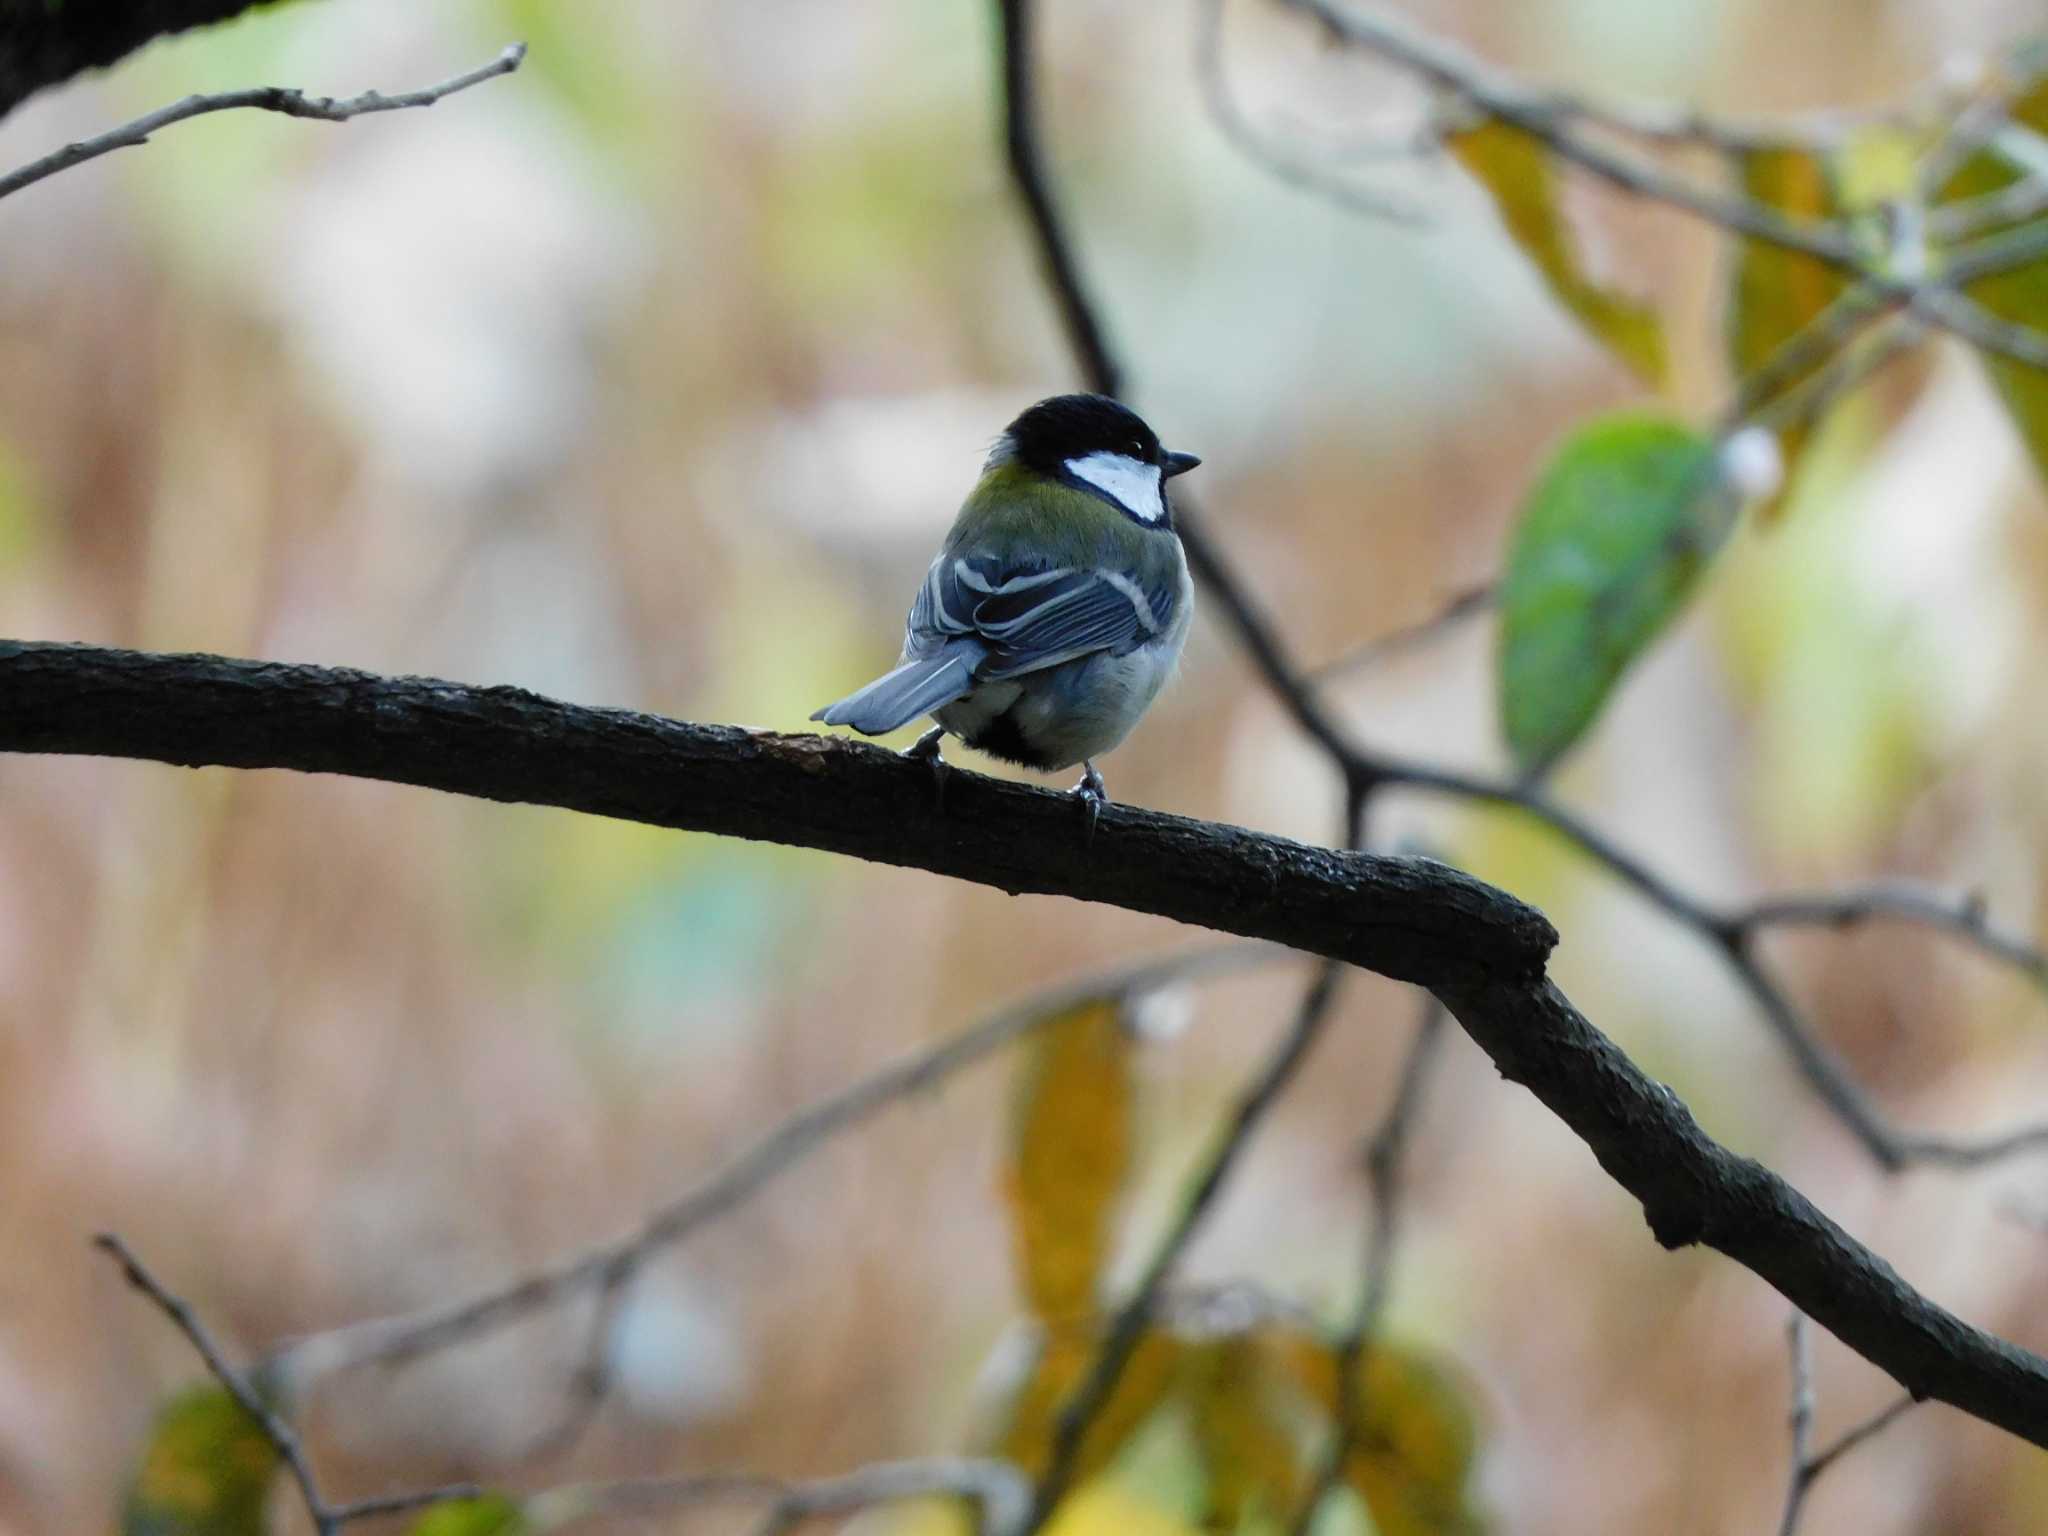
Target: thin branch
(1127,1330)
(1807,1467)
(262,98)
(1964,918)
(1801,1420)
(608,1268)
(1000,1493)
(1384,1160)
(1554,120)
(1263,150)
(1455,610)
(1020,142)
(1800,353)
(1666,126)
(327,1518)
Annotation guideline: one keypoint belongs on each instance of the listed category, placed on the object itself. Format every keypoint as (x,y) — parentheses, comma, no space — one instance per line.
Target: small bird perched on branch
(1058,605)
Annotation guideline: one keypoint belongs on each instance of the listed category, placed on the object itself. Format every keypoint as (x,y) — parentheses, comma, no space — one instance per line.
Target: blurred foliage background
(650,377)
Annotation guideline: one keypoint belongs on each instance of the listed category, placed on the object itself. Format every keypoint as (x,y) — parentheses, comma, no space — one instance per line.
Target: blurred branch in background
(1807,1464)
(1385,1153)
(610,1269)
(1900,275)
(283,1439)
(993,1489)
(262,98)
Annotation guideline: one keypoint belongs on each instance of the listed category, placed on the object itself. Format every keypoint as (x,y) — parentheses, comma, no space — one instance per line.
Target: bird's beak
(1179,463)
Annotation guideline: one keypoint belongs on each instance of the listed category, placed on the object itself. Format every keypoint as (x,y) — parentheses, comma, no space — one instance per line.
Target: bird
(1058,605)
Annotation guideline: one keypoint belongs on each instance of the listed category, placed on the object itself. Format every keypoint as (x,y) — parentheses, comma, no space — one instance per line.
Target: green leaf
(1777,293)
(1070,1157)
(2020,295)
(1609,544)
(206,1470)
(1521,175)
(492,1515)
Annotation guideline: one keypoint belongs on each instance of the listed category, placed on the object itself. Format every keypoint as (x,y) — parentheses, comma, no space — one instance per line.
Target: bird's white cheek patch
(1134,483)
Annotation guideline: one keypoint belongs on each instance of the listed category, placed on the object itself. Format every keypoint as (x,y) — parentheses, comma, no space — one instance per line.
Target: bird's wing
(1033,619)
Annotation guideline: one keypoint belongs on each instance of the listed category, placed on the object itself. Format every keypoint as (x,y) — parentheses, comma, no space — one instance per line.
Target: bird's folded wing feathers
(1035,619)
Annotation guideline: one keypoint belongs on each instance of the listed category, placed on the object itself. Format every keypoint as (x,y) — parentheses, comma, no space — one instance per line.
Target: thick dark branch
(1411,919)
(42,43)
(1694,1190)
(1480,950)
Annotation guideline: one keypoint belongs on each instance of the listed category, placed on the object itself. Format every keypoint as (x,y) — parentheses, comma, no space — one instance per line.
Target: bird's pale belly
(1066,714)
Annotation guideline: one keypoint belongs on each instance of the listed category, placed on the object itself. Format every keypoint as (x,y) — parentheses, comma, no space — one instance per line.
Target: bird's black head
(1067,427)
(1100,445)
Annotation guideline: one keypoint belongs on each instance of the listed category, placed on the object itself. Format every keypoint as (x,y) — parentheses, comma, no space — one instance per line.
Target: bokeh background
(649,377)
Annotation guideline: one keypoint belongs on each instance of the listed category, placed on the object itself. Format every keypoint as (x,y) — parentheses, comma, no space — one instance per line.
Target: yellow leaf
(1070,1154)
(1415,1439)
(1246,1445)
(1777,292)
(1416,1445)
(1103,1509)
(1064,1360)
(2020,295)
(1522,177)
(205,1472)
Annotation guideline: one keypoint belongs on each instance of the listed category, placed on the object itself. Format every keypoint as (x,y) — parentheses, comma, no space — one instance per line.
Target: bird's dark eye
(1137,449)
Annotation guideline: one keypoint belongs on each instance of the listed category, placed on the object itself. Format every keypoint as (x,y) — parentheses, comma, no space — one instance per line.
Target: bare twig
(1456,609)
(262,98)
(1807,1467)
(396,1339)
(1556,121)
(1384,1158)
(1020,141)
(1000,1493)
(327,1518)
(1234,124)
(1964,918)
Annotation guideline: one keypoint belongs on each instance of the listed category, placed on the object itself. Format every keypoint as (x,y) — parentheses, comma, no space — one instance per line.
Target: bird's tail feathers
(916,688)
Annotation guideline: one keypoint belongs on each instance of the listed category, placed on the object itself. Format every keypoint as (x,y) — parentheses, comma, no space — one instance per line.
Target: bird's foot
(1092,797)
(926,750)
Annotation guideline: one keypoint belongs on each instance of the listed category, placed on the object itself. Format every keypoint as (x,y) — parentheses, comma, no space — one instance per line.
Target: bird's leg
(1092,796)
(926,749)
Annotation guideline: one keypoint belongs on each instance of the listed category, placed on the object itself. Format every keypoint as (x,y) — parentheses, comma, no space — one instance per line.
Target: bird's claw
(926,750)
(1093,796)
